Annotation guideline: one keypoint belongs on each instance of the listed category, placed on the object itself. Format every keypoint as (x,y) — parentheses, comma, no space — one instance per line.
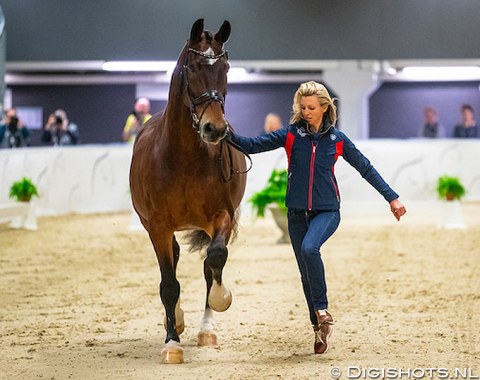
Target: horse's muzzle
(212,134)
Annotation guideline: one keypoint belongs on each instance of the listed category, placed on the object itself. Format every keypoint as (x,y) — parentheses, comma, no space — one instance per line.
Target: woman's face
(312,111)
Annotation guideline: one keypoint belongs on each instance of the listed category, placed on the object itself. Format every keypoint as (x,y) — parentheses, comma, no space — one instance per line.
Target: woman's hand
(397,208)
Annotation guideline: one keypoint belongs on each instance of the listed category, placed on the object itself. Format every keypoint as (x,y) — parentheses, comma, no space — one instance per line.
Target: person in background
(140,114)
(59,130)
(313,144)
(13,132)
(272,122)
(431,127)
(468,127)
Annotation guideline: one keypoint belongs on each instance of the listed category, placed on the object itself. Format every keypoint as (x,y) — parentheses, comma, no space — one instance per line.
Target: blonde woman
(313,145)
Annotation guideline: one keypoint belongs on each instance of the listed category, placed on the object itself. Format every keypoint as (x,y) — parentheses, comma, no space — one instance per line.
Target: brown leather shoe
(322,330)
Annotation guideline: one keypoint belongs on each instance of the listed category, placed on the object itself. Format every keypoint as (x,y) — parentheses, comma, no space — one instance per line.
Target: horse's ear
(197,30)
(224,33)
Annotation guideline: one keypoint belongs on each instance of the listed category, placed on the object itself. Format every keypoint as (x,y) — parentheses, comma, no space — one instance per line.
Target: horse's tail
(199,239)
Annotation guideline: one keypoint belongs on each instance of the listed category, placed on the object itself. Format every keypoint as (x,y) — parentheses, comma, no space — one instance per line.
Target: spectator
(13,132)
(431,127)
(272,122)
(139,115)
(59,130)
(468,127)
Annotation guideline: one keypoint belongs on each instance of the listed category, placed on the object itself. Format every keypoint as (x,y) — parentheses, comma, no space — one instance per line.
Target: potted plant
(273,197)
(23,190)
(451,189)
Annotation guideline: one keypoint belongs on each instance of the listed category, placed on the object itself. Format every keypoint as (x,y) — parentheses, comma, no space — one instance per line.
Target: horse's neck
(175,132)
(178,131)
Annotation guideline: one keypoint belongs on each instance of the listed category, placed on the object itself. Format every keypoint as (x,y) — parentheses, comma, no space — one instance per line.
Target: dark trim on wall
(59,30)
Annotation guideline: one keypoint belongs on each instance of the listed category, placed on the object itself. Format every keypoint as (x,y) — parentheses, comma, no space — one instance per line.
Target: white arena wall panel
(94,178)
(81,179)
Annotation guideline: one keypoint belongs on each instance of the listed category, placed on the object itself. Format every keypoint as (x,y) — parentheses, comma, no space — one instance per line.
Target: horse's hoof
(172,353)
(207,339)
(220,298)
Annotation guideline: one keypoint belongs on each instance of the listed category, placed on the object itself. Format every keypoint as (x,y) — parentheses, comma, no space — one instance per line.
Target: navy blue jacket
(311,158)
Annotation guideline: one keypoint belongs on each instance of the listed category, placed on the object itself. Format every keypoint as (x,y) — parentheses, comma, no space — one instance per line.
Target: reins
(232,171)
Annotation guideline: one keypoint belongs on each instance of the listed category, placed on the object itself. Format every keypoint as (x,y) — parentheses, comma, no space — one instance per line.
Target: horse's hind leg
(169,292)
(219,298)
(179,315)
(206,336)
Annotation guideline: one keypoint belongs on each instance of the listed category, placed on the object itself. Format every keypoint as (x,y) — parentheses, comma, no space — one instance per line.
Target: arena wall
(94,178)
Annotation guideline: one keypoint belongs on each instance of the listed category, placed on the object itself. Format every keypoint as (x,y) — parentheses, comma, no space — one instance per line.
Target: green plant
(450,188)
(23,190)
(274,192)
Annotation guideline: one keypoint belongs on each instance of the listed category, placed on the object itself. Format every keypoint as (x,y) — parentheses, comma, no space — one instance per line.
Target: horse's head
(204,80)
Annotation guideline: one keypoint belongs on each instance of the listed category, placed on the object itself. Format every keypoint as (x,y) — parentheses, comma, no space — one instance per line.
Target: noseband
(208,96)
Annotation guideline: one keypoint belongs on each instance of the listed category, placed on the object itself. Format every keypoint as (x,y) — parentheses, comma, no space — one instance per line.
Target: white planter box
(452,215)
(20,214)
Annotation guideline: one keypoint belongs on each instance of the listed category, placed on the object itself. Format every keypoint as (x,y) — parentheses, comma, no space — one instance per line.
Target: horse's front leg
(179,315)
(219,298)
(167,252)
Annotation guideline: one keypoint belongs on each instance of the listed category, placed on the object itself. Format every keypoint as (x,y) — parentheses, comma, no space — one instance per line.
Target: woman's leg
(297,228)
(321,226)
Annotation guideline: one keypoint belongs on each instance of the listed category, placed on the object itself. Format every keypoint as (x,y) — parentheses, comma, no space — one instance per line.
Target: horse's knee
(217,256)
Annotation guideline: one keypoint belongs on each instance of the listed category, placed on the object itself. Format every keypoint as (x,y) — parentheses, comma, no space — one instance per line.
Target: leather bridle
(209,96)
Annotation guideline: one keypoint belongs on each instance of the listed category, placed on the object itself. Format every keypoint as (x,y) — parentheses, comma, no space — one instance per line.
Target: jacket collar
(326,127)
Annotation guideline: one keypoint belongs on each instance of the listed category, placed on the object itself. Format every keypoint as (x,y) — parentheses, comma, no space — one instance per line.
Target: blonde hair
(313,89)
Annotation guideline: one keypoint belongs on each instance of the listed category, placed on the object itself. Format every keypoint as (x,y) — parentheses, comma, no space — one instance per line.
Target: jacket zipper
(310,182)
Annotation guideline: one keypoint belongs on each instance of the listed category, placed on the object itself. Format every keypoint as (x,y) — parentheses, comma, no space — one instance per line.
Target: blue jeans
(308,231)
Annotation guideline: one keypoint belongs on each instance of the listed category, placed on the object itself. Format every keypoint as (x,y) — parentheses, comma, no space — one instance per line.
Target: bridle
(208,96)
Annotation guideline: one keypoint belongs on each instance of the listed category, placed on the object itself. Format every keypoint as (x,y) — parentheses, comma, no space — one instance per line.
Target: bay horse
(184,178)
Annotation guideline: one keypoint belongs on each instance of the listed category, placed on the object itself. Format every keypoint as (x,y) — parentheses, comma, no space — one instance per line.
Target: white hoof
(220,298)
(172,353)
(206,336)
(207,339)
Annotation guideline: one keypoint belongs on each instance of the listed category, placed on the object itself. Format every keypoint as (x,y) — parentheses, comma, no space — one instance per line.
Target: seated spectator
(431,127)
(135,120)
(13,132)
(468,127)
(272,122)
(59,130)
